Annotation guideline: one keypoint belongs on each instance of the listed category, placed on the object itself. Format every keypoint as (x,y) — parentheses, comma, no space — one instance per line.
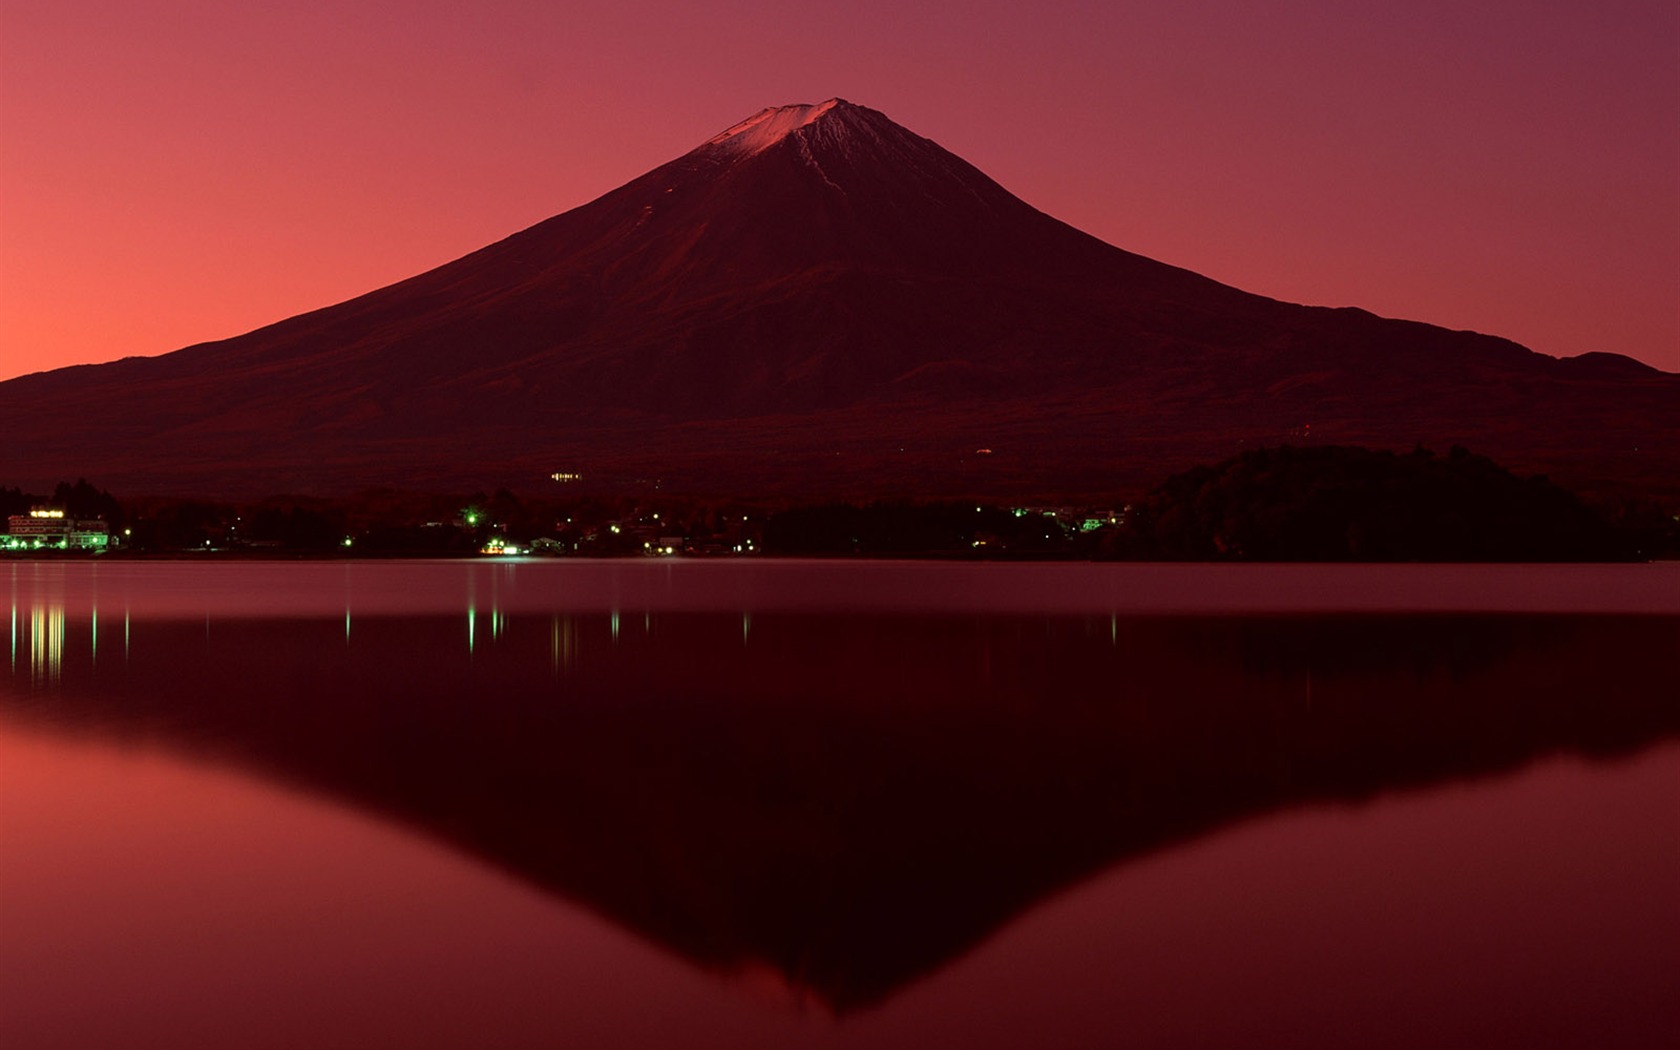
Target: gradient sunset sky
(175,171)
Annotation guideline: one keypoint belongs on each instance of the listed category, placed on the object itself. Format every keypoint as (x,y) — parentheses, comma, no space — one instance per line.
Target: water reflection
(849,801)
(46,644)
(39,634)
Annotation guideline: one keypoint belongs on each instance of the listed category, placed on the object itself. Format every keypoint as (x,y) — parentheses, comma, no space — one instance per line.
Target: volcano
(816,301)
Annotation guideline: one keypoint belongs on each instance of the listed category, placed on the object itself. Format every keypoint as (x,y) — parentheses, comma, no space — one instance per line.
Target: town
(1319,503)
(81,519)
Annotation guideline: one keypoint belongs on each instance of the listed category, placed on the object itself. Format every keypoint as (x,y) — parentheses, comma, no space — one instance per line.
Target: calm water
(744,804)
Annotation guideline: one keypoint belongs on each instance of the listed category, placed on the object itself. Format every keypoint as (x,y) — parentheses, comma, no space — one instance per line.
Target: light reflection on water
(847,804)
(46,644)
(40,632)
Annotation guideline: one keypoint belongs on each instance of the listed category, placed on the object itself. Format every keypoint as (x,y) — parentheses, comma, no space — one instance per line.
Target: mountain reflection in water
(849,800)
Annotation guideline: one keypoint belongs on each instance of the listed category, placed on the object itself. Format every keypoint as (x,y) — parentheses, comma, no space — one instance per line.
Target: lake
(755,803)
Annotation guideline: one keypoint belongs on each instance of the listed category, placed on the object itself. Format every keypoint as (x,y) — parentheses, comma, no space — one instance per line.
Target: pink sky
(174,171)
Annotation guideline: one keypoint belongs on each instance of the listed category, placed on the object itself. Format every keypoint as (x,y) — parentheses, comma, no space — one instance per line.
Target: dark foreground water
(760,804)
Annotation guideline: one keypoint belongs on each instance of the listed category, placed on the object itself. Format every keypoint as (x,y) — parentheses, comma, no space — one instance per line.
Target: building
(47,528)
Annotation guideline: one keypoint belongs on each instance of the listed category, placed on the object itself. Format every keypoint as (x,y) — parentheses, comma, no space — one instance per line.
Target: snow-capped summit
(841,148)
(769,126)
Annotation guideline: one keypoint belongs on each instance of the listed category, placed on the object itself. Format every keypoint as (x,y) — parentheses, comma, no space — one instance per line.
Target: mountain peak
(769,126)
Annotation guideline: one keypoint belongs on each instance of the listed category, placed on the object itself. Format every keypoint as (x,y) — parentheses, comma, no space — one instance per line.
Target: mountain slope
(815,299)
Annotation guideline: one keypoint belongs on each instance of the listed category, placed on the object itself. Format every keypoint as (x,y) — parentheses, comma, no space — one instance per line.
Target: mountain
(815,301)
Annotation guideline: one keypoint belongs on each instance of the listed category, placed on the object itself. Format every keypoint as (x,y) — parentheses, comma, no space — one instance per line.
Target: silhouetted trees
(1333,503)
(295,527)
(17,501)
(80,500)
(912,528)
(1324,503)
(180,525)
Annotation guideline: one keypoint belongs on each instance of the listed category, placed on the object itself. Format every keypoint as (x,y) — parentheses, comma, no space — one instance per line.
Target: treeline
(396,523)
(79,500)
(1333,503)
(903,528)
(1322,503)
